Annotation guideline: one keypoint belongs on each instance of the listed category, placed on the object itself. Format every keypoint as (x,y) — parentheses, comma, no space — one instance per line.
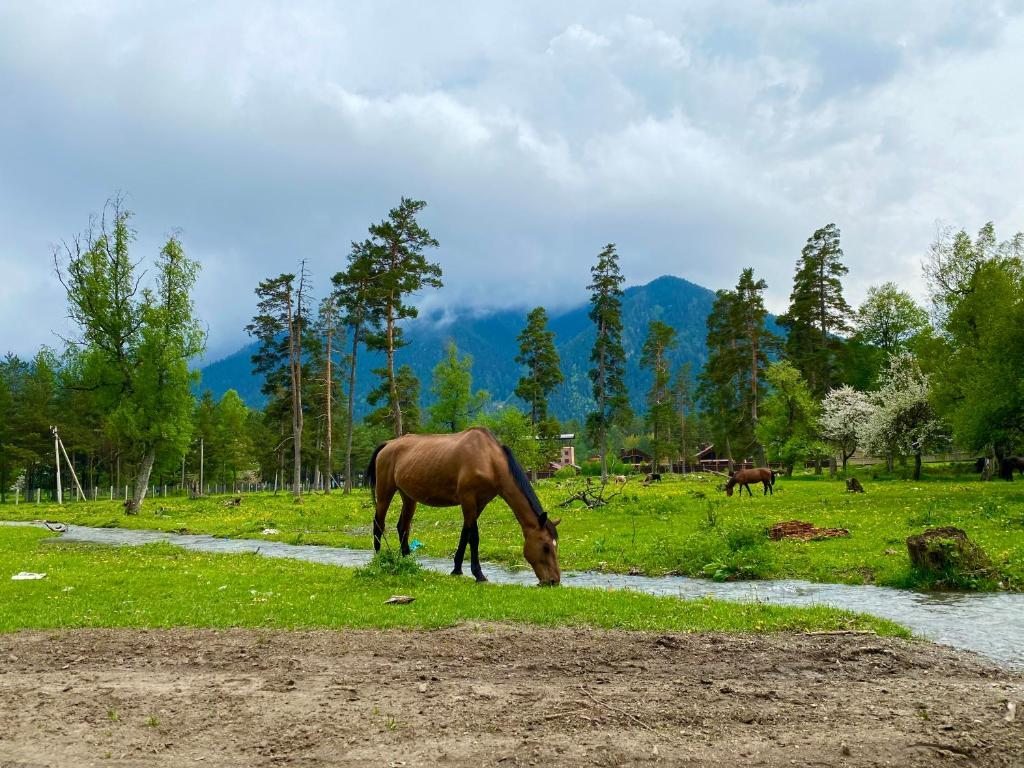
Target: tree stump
(853,486)
(948,554)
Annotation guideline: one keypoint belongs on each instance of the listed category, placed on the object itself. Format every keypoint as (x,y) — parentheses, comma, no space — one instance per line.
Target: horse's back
(440,470)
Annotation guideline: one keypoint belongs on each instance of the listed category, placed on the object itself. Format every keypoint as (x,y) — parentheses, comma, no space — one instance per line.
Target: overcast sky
(701,137)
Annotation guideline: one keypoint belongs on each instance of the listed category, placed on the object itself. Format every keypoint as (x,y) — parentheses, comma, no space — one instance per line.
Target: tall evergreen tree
(817,311)
(543,368)
(358,301)
(739,348)
(682,395)
(401,269)
(608,358)
(660,418)
(282,327)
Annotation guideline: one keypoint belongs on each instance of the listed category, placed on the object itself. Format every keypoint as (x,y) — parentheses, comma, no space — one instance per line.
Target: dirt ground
(485,695)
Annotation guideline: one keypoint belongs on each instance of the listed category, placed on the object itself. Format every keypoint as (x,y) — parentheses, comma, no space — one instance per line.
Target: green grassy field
(163,586)
(683,526)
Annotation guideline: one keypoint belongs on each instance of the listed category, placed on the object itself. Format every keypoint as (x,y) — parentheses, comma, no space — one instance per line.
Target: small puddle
(990,623)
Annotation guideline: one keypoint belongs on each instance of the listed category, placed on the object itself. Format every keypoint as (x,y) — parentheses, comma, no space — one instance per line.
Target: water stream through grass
(989,623)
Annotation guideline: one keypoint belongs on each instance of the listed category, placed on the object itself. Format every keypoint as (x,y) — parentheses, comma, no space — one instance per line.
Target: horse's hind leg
(471,536)
(405,522)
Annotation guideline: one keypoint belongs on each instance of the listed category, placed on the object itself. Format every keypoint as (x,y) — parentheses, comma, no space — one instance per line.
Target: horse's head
(541,551)
(730,485)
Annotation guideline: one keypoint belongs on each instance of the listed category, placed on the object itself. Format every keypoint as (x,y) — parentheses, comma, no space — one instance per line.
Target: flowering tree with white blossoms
(904,422)
(845,413)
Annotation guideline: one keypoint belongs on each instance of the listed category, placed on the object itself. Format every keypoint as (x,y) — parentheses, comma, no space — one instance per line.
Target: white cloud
(537,133)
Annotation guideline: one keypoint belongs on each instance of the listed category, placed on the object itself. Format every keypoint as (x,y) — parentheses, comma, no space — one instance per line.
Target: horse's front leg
(405,522)
(750,493)
(471,536)
(460,553)
(474,553)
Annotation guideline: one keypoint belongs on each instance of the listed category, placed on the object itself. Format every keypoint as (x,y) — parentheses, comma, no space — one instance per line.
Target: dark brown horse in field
(1010,463)
(744,477)
(467,469)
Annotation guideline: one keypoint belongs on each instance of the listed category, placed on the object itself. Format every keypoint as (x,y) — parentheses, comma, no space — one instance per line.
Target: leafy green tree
(789,416)
(455,404)
(408,386)
(282,328)
(661,411)
(538,355)
(977,290)
(608,358)
(889,318)
(231,437)
(513,428)
(400,270)
(137,344)
(12,374)
(818,313)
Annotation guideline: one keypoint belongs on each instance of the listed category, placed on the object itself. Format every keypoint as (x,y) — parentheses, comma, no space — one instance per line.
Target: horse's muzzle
(549,583)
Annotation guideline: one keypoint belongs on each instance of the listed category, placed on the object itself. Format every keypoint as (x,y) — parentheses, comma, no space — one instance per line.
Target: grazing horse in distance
(467,469)
(744,477)
(1009,464)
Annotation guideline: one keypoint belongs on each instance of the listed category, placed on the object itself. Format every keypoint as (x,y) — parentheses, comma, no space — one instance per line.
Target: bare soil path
(498,696)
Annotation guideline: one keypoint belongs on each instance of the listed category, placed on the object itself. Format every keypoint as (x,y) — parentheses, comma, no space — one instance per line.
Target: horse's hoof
(457,572)
(480,578)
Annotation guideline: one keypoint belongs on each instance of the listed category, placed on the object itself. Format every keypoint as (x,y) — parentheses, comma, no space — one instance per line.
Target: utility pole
(56,455)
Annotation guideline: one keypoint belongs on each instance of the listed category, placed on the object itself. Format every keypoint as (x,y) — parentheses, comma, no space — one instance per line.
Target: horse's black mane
(371,472)
(523,483)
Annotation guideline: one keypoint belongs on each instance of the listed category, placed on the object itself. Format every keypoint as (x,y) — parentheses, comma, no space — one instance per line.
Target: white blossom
(844,414)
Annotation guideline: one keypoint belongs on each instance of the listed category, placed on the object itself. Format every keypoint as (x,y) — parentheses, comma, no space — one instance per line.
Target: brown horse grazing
(744,477)
(467,469)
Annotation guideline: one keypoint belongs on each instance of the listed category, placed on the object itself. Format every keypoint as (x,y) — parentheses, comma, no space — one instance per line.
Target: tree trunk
(351,409)
(330,393)
(142,479)
(396,408)
(917,465)
(295,357)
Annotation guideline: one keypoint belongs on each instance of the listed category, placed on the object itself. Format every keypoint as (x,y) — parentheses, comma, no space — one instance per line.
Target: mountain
(491,340)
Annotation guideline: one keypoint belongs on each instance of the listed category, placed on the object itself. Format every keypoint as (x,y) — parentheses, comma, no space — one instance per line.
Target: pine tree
(359,303)
(817,311)
(543,368)
(739,348)
(607,356)
(661,338)
(401,269)
(282,327)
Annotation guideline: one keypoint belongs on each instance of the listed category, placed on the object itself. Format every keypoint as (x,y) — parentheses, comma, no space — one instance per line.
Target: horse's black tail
(371,472)
(523,484)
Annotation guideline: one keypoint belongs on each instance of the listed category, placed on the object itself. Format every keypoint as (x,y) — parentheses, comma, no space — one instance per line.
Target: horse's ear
(543,519)
(556,522)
